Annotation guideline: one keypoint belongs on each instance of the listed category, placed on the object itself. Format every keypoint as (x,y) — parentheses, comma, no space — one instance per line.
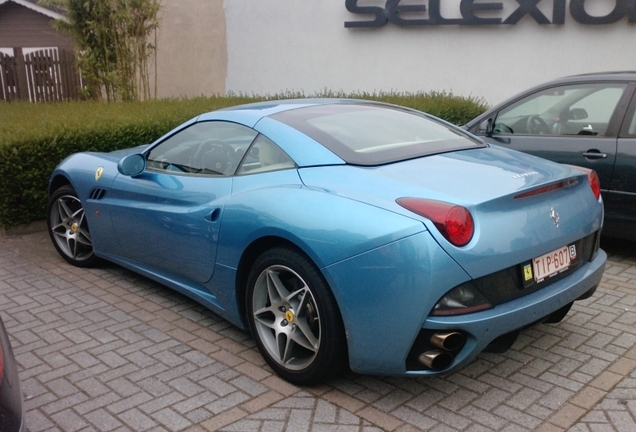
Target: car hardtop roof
(287,104)
(251,113)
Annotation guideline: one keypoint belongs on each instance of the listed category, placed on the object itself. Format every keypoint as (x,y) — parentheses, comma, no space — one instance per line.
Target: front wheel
(294,318)
(68,228)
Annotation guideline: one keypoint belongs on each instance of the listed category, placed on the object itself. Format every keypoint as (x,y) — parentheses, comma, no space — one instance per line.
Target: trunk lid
(487,181)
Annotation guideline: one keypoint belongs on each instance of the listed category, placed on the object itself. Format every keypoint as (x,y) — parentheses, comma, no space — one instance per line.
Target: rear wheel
(68,228)
(294,318)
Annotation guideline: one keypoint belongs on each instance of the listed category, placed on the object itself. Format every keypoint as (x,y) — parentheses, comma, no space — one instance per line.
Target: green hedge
(34,138)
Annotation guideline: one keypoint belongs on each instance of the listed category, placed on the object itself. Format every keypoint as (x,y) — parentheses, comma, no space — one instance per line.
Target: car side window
(579,109)
(629,126)
(208,148)
(632,126)
(264,155)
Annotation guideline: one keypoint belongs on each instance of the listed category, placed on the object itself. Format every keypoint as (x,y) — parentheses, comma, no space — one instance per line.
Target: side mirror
(485,127)
(132,165)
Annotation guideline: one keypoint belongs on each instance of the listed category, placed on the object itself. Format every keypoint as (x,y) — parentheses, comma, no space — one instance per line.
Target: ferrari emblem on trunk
(554,216)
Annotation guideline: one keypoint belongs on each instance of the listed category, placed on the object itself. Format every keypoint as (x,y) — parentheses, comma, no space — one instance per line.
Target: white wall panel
(302,45)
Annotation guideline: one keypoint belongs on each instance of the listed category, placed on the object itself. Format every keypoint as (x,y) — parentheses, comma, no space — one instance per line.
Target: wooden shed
(37,62)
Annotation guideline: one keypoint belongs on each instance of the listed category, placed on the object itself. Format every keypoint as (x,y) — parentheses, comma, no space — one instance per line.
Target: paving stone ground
(107,350)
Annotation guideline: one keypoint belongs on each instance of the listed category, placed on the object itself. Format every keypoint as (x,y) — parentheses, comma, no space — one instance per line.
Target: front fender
(80,170)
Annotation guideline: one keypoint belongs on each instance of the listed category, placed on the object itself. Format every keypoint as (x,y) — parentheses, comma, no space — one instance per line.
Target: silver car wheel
(286,317)
(69,229)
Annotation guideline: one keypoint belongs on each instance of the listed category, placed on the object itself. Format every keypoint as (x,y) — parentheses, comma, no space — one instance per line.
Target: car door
(574,124)
(168,218)
(621,200)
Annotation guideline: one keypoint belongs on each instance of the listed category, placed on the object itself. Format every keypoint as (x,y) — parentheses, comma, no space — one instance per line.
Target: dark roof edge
(37,8)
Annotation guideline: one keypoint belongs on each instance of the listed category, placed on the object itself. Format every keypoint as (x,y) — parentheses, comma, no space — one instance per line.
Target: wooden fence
(45,75)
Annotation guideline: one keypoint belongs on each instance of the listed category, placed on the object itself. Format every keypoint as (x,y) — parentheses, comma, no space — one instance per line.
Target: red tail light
(595,183)
(454,222)
(544,189)
(592,177)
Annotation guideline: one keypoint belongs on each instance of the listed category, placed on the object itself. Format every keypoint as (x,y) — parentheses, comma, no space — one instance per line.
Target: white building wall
(302,45)
(191,48)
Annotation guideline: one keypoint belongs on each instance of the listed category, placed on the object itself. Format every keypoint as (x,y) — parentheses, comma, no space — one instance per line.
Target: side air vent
(97,194)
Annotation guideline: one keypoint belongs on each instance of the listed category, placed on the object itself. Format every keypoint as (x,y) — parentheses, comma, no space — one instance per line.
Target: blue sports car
(341,232)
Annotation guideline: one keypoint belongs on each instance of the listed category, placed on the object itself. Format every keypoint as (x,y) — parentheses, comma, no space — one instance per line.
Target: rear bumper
(482,328)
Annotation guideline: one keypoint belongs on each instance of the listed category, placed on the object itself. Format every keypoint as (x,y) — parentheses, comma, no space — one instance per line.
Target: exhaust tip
(450,341)
(436,360)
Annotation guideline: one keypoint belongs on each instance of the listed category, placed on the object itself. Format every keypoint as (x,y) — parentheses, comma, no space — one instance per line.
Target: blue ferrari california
(341,232)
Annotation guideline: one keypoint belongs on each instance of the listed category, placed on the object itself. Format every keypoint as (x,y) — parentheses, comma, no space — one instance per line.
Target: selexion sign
(470,11)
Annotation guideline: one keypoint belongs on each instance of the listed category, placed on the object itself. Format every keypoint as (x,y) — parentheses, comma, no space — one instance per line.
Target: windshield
(374,134)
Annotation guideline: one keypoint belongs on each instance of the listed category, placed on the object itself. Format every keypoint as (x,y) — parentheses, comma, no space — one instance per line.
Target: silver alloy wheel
(286,317)
(69,228)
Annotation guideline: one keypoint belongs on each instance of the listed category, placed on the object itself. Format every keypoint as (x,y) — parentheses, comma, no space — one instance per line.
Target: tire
(294,318)
(68,228)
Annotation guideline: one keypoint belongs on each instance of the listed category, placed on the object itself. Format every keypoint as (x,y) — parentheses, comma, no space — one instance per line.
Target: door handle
(594,154)
(214,215)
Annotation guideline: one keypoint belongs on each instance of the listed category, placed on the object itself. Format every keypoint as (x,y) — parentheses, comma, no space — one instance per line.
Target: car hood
(486,181)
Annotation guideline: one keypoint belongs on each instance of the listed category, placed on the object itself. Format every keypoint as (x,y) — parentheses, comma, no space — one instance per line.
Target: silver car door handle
(595,155)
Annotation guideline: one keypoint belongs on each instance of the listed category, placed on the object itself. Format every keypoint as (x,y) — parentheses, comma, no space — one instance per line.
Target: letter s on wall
(380,15)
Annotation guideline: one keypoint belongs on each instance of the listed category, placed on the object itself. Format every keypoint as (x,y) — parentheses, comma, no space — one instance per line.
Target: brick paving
(107,350)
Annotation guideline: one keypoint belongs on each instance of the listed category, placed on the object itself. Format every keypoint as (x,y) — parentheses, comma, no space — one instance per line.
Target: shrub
(34,138)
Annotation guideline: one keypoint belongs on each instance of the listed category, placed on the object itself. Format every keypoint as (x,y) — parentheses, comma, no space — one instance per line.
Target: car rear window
(374,134)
